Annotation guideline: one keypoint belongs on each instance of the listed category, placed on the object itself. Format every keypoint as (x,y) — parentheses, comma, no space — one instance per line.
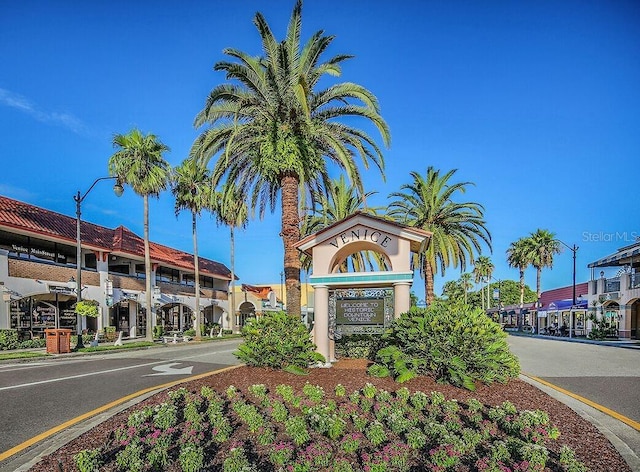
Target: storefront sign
(61,289)
(360,311)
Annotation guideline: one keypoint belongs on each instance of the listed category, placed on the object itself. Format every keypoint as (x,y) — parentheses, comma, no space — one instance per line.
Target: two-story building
(617,298)
(38,264)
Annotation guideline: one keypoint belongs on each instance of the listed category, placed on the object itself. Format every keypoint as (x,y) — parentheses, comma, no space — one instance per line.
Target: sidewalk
(623,343)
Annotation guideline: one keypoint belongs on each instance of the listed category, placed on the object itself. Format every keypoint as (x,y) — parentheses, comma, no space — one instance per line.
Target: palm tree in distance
(465,281)
(138,162)
(482,270)
(274,135)
(518,257)
(229,208)
(542,246)
(191,188)
(340,201)
(458,228)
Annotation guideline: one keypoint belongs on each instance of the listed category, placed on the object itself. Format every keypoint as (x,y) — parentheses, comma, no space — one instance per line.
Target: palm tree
(230,209)
(518,257)
(465,281)
(458,228)
(482,270)
(138,162)
(542,246)
(191,188)
(340,201)
(275,135)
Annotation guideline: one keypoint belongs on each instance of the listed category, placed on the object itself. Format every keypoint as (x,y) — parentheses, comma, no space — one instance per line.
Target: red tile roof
(563,293)
(28,219)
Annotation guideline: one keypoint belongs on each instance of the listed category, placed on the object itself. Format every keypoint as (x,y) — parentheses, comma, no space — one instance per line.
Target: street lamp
(573,249)
(118,189)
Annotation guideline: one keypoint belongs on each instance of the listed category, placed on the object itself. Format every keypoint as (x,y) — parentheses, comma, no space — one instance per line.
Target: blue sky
(537,103)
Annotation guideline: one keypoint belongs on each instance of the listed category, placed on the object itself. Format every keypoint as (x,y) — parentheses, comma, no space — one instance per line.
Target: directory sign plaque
(360,311)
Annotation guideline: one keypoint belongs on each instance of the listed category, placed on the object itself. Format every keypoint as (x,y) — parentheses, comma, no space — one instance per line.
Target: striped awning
(621,257)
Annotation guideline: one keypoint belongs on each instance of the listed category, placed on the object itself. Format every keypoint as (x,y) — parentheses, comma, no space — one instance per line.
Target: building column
(624,322)
(401,298)
(321,324)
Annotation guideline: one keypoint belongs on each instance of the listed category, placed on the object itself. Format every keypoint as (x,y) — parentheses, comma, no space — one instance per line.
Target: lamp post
(79,198)
(574,250)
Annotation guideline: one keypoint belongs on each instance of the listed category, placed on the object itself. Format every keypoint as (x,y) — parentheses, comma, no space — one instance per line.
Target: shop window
(140,272)
(164,274)
(67,254)
(16,244)
(41,250)
(119,269)
(90,261)
(206,282)
(188,279)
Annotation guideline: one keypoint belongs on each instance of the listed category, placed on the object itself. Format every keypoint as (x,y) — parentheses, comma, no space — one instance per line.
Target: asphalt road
(609,376)
(38,396)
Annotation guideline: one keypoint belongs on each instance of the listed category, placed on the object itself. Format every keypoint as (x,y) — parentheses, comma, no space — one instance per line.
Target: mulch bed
(591,447)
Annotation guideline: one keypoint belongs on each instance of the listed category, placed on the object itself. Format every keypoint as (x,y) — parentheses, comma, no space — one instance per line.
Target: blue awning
(563,305)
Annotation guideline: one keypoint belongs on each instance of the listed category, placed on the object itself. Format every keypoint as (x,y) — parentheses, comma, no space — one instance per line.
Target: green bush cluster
(8,339)
(360,346)
(454,343)
(308,429)
(279,341)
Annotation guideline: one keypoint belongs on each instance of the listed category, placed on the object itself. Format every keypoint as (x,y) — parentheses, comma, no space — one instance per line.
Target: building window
(140,272)
(164,274)
(206,282)
(90,261)
(119,269)
(188,279)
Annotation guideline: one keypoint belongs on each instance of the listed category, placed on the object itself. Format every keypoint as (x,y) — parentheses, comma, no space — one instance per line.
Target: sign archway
(359,302)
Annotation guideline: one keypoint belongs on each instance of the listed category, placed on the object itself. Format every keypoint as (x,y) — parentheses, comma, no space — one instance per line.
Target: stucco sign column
(321,324)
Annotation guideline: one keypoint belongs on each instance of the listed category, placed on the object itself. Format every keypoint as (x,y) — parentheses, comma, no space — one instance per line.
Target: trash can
(58,340)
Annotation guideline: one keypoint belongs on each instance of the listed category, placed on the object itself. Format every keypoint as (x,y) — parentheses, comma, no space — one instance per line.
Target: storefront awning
(618,258)
(564,305)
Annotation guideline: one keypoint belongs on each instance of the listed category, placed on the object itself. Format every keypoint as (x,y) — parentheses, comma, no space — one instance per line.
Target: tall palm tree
(458,228)
(482,270)
(542,246)
(275,135)
(138,162)
(229,208)
(191,188)
(338,202)
(465,281)
(518,256)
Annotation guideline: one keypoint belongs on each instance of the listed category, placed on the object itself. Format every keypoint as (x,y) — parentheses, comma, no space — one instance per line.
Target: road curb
(622,435)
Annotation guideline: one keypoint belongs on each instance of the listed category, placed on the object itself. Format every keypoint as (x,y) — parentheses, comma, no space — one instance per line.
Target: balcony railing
(612,285)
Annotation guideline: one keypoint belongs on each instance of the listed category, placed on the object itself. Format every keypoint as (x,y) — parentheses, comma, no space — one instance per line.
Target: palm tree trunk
(232,309)
(147,271)
(196,265)
(521,287)
(428,282)
(538,277)
(290,236)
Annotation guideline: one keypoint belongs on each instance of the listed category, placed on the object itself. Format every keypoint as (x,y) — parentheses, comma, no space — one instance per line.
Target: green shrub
(32,343)
(362,346)
(88,460)
(456,344)
(279,341)
(158,331)
(90,308)
(190,332)
(8,339)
